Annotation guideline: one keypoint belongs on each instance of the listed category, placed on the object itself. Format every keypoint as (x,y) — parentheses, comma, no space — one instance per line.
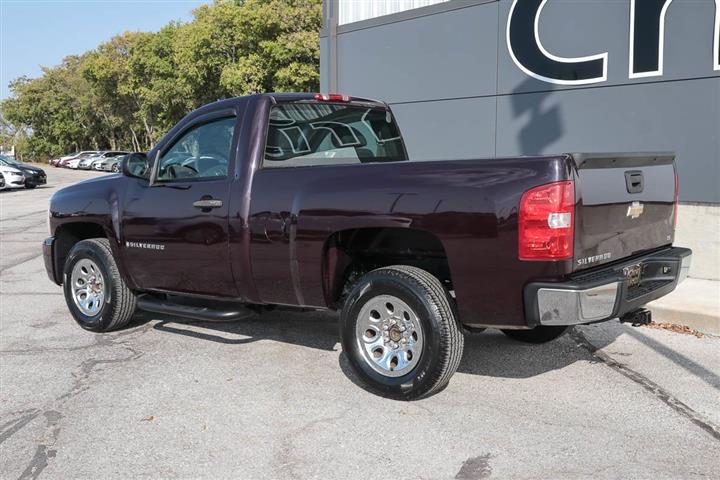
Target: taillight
(546,222)
(677,198)
(332,97)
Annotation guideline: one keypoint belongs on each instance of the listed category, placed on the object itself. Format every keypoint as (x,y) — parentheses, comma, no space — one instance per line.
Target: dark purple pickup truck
(309,201)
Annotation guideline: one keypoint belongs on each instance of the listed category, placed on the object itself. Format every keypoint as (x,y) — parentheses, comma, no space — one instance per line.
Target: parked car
(14,178)
(313,204)
(111,164)
(95,162)
(86,163)
(73,161)
(34,176)
(56,162)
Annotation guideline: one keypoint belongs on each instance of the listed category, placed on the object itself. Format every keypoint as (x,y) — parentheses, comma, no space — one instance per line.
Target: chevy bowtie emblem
(635,210)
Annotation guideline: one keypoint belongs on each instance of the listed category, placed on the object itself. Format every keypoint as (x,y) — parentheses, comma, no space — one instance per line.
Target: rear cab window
(316,133)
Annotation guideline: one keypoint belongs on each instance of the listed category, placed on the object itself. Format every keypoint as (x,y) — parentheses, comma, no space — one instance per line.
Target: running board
(156,305)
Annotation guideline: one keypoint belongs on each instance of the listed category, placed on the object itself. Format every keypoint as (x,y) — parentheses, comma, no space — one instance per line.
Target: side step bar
(156,305)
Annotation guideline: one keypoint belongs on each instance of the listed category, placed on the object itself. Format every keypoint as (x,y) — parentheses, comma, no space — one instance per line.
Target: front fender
(88,209)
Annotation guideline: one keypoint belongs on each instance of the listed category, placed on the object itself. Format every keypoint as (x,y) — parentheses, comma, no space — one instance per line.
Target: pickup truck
(309,201)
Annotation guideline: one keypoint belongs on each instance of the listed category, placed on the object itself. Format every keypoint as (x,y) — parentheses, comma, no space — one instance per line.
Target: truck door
(308,146)
(175,228)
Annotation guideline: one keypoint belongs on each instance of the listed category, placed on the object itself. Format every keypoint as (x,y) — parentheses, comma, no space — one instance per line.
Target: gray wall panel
(430,128)
(414,62)
(440,56)
(675,116)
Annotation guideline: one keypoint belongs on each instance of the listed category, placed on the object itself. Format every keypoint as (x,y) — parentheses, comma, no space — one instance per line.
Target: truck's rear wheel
(399,332)
(94,291)
(540,334)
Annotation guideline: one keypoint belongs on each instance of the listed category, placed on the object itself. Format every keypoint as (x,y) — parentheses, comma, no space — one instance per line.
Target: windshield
(304,134)
(10,162)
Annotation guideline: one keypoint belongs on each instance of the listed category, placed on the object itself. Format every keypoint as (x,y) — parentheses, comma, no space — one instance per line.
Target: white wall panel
(356,10)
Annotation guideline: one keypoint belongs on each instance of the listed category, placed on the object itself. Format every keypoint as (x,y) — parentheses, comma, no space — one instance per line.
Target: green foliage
(130,90)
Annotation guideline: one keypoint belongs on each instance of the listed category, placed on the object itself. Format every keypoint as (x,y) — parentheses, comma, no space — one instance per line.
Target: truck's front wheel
(94,291)
(399,332)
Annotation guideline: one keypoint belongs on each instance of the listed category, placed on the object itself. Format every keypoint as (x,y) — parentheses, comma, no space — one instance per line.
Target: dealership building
(494,78)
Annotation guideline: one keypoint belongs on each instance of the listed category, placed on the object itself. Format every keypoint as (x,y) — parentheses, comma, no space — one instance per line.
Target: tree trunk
(136,144)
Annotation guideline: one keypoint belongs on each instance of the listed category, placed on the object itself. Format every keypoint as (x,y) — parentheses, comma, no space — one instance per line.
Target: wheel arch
(68,234)
(347,254)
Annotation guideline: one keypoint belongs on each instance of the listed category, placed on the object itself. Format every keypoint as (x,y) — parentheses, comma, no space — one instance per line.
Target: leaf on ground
(675,328)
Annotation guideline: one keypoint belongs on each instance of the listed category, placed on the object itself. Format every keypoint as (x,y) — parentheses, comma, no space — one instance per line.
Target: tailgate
(626,206)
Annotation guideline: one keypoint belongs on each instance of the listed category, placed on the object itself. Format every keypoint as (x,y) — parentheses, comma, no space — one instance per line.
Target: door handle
(208,203)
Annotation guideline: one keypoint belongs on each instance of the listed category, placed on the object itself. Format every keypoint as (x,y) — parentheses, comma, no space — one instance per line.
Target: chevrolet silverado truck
(309,201)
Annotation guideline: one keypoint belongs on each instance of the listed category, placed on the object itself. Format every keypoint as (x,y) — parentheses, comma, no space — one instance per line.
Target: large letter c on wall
(528,53)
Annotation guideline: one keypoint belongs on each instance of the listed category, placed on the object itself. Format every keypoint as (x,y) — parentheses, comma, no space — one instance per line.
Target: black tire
(30,187)
(442,339)
(115,168)
(541,334)
(119,303)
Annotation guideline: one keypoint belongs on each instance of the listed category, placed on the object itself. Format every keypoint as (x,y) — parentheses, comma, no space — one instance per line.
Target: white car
(74,163)
(14,178)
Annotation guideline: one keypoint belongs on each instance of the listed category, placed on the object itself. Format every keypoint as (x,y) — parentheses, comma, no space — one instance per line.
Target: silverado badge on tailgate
(635,210)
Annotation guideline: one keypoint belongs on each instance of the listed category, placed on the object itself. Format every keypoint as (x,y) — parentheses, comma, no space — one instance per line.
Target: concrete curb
(695,303)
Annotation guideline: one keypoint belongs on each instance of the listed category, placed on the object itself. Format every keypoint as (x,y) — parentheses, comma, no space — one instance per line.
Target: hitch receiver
(641,316)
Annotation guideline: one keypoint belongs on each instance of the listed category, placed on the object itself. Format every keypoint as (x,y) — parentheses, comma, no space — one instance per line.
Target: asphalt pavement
(272,396)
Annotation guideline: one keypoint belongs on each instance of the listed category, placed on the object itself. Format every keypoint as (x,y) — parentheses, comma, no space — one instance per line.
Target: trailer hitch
(639,317)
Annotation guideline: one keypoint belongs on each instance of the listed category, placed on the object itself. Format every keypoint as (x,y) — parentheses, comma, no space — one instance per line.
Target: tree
(263,45)
(130,90)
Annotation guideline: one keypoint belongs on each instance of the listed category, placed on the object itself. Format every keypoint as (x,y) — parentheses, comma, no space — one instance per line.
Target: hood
(100,181)
(31,168)
(5,169)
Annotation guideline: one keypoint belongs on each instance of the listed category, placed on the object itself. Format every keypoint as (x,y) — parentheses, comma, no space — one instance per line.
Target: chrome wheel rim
(389,336)
(88,287)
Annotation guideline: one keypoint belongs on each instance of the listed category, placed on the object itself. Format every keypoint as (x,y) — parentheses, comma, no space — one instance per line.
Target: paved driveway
(272,396)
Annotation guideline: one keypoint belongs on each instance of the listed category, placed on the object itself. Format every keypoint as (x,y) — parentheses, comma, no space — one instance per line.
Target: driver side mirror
(136,165)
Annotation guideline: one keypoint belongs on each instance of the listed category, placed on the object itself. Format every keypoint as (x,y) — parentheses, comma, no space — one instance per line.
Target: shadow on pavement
(488,354)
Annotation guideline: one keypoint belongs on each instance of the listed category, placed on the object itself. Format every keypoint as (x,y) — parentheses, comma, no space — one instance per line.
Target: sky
(40,33)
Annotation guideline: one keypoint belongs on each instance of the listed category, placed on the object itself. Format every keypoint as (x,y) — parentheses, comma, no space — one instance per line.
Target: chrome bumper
(605,293)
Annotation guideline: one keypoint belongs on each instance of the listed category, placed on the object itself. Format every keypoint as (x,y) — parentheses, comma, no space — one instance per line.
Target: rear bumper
(48,247)
(606,293)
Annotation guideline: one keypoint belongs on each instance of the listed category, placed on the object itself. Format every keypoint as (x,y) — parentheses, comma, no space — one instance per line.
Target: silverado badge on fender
(635,210)
(147,246)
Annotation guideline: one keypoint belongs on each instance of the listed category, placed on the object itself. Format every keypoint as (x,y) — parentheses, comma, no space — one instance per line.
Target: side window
(202,152)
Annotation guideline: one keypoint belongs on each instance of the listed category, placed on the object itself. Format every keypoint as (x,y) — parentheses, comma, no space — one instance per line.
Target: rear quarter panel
(470,205)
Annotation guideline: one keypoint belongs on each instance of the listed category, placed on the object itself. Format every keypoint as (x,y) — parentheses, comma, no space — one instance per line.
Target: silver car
(86,163)
(100,162)
(110,163)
